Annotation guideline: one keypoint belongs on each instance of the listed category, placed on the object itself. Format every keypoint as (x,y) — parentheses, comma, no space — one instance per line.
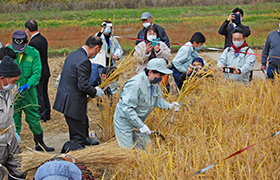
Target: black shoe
(90,142)
(40,145)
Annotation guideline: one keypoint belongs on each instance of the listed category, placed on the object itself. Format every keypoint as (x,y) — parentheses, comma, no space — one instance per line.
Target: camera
(228,70)
(237,19)
(155,42)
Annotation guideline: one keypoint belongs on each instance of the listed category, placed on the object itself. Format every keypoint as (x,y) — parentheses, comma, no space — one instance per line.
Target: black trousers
(43,100)
(78,130)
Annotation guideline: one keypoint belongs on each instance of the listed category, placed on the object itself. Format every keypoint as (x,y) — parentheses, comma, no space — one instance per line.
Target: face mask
(146,24)
(198,48)
(20,52)
(151,38)
(156,80)
(9,86)
(237,43)
(107,30)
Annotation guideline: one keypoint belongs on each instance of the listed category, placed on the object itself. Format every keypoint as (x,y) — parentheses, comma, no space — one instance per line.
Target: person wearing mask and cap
(28,60)
(107,38)
(235,63)
(270,50)
(138,97)
(226,29)
(147,20)
(185,55)
(73,88)
(9,74)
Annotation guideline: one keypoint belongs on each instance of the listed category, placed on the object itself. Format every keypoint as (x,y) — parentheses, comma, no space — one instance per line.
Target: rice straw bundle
(107,154)
(124,66)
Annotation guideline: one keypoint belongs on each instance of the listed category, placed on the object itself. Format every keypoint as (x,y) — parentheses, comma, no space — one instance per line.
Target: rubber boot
(39,140)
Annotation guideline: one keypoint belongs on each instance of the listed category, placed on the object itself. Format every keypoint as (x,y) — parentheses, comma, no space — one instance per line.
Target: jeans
(271,71)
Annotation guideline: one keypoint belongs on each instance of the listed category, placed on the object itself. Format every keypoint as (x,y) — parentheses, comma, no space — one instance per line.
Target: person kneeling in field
(138,97)
(185,55)
(235,63)
(9,74)
(195,69)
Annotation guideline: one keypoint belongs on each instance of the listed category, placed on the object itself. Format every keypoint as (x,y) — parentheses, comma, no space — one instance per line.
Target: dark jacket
(40,43)
(72,91)
(226,30)
(162,34)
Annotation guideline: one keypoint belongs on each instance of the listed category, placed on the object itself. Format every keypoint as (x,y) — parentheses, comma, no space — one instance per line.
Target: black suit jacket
(226,30)
(72,91)
(40,43)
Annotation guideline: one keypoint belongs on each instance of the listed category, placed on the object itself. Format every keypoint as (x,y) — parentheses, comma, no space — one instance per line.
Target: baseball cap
(19,40)
(159,65)
(145,15)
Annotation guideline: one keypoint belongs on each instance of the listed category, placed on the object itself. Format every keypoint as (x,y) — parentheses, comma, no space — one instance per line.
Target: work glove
(145,130)
(175,105)
(99,91)
(23,88)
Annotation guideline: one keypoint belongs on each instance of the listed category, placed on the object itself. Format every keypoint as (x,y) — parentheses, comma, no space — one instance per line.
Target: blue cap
(198,59)
(19,40)
(62,170)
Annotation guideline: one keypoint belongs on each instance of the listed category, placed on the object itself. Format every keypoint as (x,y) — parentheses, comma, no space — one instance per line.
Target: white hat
(159,65)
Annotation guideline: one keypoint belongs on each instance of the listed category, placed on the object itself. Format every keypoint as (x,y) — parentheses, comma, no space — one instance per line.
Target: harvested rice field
(216,119)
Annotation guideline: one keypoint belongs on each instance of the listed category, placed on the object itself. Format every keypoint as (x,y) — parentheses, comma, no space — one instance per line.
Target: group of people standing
(25,65)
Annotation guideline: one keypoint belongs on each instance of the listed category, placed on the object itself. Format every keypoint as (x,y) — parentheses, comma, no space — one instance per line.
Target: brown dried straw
(107,154)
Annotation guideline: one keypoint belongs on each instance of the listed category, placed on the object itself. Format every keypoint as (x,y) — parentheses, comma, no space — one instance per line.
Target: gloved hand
(175,105)
(99,91)
(145,130)
(23,88)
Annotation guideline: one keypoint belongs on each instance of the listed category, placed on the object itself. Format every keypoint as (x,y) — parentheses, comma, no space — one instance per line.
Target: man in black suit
(72,91)
(40,43)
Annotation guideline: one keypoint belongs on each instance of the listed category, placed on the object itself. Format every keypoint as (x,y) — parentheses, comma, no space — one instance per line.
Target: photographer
(151,48)
(236,17)
(236,61)
(105,35)
(195,68)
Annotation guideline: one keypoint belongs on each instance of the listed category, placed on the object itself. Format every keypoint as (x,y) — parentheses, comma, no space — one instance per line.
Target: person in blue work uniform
(185,55)
(138,97)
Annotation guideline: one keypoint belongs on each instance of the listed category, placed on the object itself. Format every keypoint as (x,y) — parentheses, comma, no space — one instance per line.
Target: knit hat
(19,40)
(9,68)
(198,59)
(62,170)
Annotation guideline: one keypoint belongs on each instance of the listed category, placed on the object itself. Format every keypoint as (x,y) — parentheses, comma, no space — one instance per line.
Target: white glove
(175,105)
(99,91)
(145,130)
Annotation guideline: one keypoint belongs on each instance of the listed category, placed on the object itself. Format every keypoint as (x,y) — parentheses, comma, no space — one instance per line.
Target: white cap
(159,65)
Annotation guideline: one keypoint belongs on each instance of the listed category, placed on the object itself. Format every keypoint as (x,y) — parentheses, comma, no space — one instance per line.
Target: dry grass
(215,120)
